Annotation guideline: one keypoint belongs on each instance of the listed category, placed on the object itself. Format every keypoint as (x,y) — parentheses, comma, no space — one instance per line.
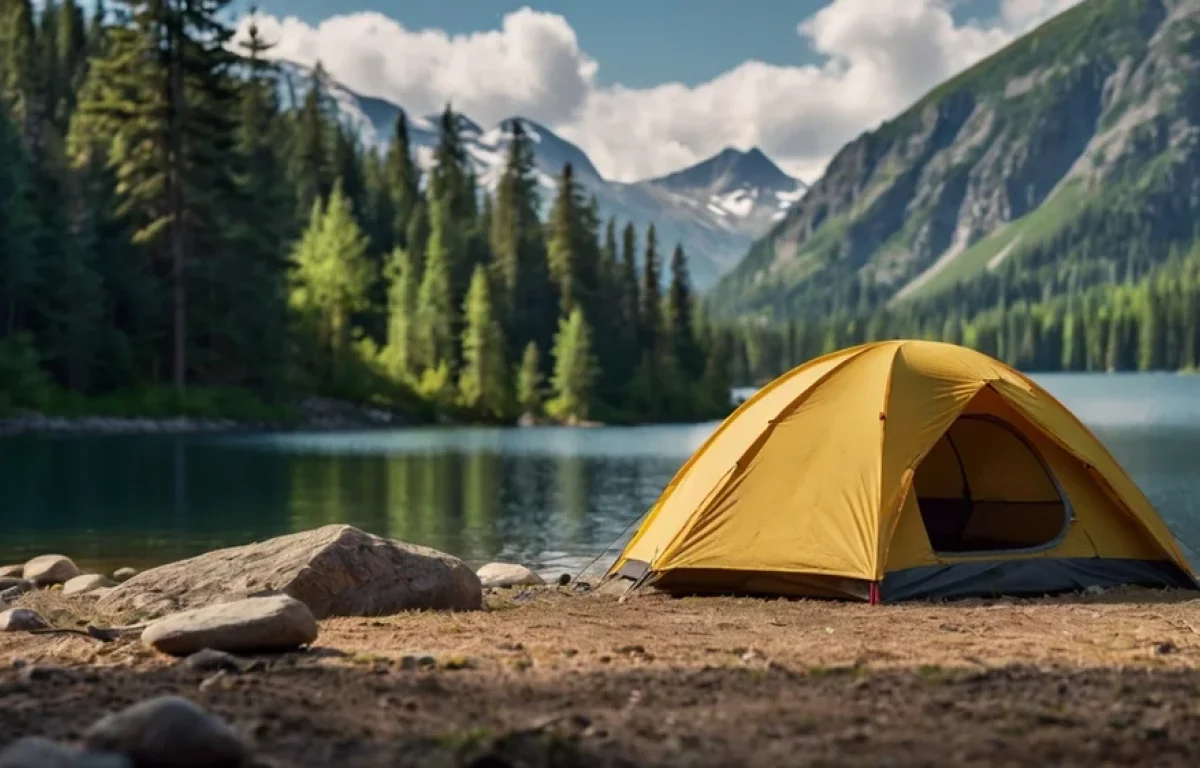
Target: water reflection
(553,497)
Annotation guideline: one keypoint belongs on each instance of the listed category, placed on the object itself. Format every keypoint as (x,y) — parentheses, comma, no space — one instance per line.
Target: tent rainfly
(900,470)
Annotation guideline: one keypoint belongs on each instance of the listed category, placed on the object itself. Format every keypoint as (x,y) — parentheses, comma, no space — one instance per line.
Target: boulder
(38,752)
(124,574)
(86,583)
(253,625)
(169,730)
(508,575)
(11,582)
(50,569)
(336,570)
(12,571)
(21,620)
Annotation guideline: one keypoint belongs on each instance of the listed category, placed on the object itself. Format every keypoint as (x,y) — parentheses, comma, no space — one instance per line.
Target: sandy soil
(548,677)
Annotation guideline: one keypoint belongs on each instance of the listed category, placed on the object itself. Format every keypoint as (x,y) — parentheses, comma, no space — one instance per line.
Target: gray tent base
(992,578)
(1038,576)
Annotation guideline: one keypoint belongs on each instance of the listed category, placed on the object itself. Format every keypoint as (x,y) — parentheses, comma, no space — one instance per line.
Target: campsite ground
(550,677)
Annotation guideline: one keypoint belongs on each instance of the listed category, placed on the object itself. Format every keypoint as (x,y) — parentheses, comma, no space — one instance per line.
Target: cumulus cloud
(876,58)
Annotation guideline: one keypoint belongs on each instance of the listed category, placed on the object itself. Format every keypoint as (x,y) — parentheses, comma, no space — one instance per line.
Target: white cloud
(878,57)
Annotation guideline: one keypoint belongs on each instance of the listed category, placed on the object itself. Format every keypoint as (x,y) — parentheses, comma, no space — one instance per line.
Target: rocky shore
(335,647)
(311,414)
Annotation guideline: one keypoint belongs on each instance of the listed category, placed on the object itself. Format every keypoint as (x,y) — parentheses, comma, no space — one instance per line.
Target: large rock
(508,575)
(21,620)
(50,569)
(253,625)
(169,730)
(12,571)
(87,583)
(336,570)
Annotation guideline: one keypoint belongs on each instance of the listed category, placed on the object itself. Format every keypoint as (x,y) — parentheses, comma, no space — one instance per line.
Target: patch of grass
(1032,228)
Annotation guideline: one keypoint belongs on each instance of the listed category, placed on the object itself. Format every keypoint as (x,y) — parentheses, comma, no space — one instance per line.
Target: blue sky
(638,43)
(646,87)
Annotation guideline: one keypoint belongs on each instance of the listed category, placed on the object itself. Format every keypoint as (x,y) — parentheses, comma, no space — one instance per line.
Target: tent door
(984,489)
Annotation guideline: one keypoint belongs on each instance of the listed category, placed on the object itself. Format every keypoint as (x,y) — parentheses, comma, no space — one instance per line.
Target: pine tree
(529,381)
(402,311)
(518,248)
(574,369)
(566,244)
(18,229)
(436,317)
(19,66)
(680,311)
(332,274)
(403,181)
(484,378)
(310,168)
(650,307)
(168,97)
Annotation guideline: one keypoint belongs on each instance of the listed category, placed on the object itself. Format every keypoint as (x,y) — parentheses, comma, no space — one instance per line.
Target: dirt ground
(549,677)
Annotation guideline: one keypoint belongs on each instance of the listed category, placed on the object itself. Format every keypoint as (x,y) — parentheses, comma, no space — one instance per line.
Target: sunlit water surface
(555,498)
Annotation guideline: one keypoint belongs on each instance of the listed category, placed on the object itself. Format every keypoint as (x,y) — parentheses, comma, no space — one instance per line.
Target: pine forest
(172,238)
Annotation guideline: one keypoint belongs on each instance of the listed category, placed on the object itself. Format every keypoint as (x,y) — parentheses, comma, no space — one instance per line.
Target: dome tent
(899,470)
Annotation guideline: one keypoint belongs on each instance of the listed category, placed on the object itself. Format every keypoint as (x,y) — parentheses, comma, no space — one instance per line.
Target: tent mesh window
(983,488)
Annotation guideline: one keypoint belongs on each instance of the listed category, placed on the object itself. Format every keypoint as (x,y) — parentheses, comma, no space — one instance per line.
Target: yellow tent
(897,470)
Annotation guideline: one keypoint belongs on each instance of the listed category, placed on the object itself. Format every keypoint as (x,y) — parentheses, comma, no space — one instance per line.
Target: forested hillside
(1042,206)
(173,239)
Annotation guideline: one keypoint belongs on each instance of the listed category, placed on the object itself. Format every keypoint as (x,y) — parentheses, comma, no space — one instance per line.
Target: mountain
(715,208)
(1067,160)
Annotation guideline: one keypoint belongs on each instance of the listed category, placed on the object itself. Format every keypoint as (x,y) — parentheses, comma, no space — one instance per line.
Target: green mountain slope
(1070,159)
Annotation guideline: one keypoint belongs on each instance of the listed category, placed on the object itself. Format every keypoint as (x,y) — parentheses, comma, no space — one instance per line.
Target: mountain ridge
(1084,119)
(714,221)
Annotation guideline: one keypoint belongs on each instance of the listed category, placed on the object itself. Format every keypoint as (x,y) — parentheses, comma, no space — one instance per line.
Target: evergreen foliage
(165,222)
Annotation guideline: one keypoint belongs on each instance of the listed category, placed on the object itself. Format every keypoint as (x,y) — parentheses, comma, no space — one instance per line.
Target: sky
(648,87)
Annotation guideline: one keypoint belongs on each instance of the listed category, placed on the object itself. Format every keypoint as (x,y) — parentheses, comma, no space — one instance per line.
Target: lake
(551,497)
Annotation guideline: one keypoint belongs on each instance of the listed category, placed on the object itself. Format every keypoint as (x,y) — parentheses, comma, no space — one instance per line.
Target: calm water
(551,497)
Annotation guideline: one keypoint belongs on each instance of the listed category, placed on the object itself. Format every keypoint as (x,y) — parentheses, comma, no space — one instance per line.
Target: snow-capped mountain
(715,209)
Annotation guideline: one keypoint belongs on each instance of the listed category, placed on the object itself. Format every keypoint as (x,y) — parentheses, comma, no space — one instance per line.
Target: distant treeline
(168,226)
(1144,316)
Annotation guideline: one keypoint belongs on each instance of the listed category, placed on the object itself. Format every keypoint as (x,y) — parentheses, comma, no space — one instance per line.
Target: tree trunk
(178,246)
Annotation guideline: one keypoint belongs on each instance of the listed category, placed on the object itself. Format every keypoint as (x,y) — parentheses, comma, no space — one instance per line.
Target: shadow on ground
(306,711)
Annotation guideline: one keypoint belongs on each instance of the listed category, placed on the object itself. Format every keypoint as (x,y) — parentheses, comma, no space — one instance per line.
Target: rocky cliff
(1092,118)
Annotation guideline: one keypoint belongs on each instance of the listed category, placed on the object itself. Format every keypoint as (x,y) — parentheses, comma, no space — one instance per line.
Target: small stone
(418,662)
(495,575)
(256,624)
(1165,647)
(124,574)
(42,672)
(208,660)
(169,730)
(37,752)
(21,620)
(46,570)
(10,594)
(14,583)
(12,571)
(564,579)
(87,583)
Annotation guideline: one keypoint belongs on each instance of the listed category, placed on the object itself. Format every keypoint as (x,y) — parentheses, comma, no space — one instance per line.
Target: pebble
(46,570)
(124,574)
(21,586)
(254,625)
(168,731)
(38,752)
(86,583)
(208,660)
(21,620)
(495,575)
